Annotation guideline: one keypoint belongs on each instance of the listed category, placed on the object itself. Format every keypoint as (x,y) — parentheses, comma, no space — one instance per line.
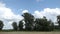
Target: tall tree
(20,25)
(29,20)
(14,24)
(58,19)
(1,25)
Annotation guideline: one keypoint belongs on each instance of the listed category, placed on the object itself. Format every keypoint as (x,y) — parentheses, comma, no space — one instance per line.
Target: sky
(11,10)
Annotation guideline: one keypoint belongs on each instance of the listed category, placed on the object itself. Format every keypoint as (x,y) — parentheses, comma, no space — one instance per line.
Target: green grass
(55,30)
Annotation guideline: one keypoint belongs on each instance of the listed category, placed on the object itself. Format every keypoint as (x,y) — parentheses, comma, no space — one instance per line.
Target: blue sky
(11,10)
(31,5)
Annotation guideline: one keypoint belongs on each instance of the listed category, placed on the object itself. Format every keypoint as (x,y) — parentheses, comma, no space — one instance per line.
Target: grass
(55,30)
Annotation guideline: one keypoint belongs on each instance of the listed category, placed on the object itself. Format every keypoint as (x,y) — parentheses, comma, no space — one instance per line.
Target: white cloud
(2,4)
(24,11)
(7,15)
(49,13)
(38,14)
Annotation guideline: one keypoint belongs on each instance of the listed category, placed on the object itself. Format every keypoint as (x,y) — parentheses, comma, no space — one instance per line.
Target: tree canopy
(1,25)
(29,20)
(34,24)
(14,24)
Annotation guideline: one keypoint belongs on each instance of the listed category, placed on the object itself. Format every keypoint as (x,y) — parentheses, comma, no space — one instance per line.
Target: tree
(14,24)
(58,19)
(29,20)
(20,25)
(1,25)
(43,24)
(51,25)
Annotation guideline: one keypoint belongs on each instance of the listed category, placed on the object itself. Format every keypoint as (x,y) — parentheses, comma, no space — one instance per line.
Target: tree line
(32,24)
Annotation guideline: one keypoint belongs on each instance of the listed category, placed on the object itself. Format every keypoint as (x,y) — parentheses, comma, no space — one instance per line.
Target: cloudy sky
(11,10)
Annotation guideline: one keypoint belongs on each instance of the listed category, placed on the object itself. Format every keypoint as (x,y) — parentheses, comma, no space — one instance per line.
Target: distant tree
(51,25)
(40,24)
(58,19)
(1,25)
(14,24)
(43,24)
(29,20)
(20,25)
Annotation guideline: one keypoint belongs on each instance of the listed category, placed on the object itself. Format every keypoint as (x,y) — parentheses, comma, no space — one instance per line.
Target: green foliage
(43,24)
(39,24)
(29,20)
(58,19)
(1,25)
(28,17)
(14,24)
(20,25)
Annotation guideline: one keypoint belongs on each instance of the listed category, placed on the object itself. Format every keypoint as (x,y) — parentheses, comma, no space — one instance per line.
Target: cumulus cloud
(48,13)
(2,4)
(7,16)
(24,11)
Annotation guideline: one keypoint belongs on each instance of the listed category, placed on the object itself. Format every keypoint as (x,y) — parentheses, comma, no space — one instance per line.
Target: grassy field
(29,32)
(55,30)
